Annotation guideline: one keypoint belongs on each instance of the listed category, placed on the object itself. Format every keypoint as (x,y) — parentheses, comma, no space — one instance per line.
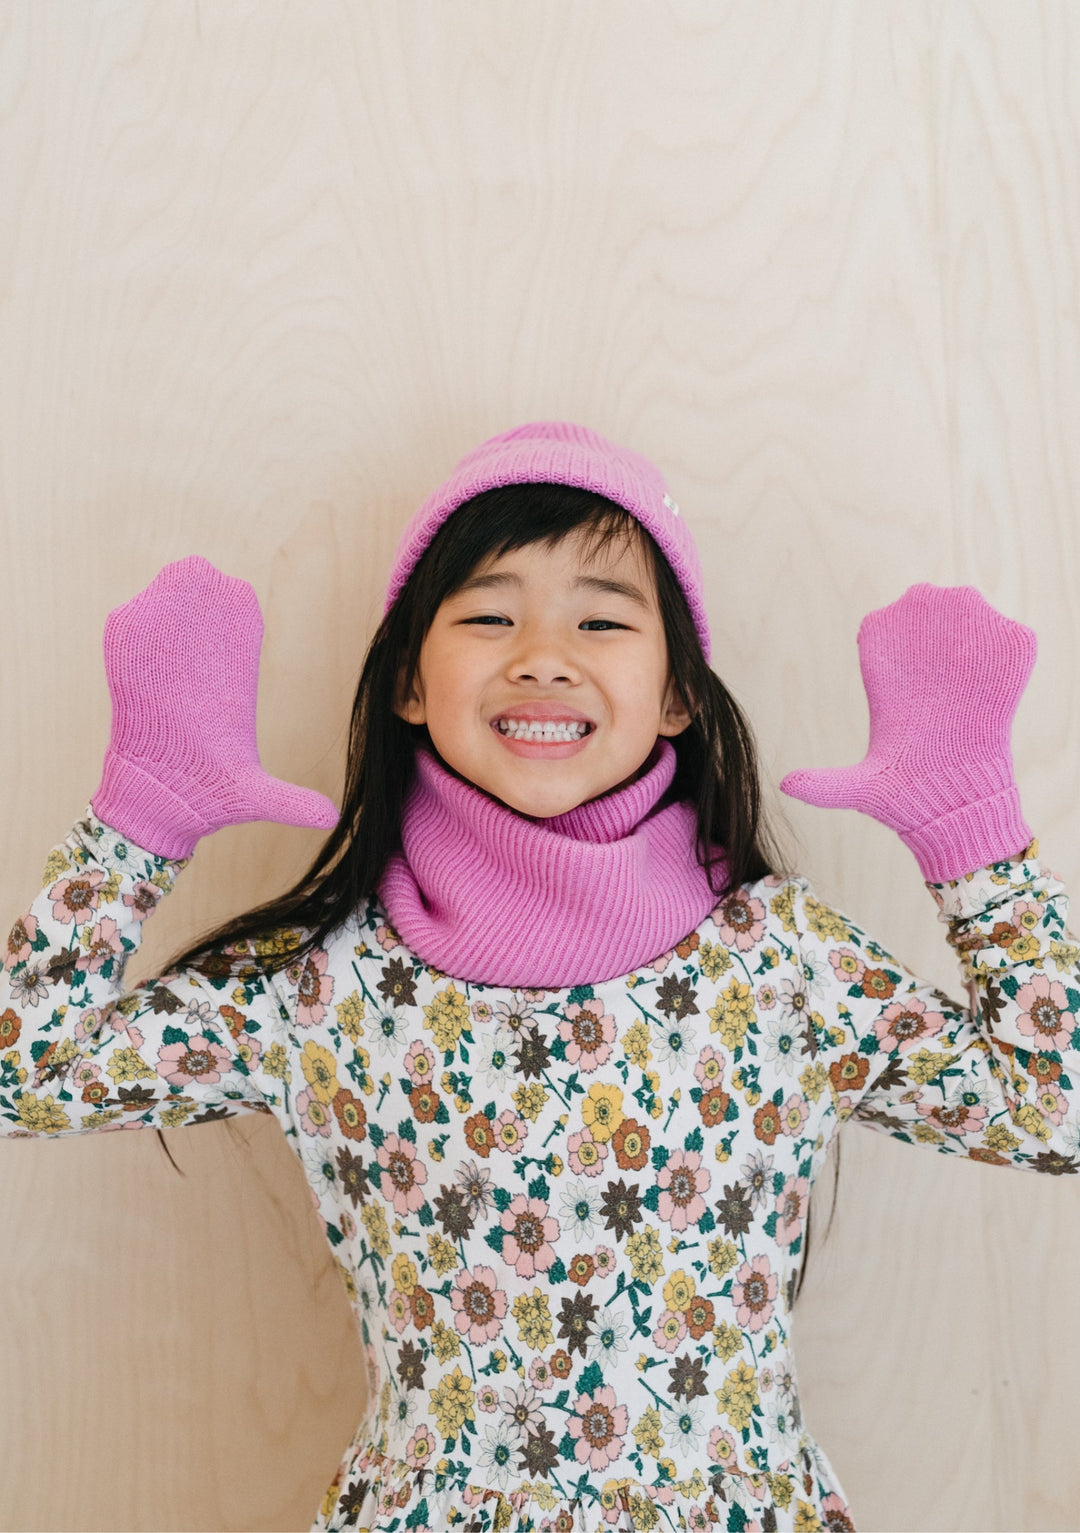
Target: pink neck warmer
(487,895)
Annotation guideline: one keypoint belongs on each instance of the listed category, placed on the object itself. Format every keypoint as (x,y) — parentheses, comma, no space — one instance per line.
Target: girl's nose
(542,657)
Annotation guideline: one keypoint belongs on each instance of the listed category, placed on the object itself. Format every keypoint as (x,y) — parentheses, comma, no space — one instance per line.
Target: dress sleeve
(997,1079)
(78,1053)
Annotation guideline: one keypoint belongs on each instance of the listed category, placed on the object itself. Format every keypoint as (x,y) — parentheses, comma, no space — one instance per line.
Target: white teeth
(520,730)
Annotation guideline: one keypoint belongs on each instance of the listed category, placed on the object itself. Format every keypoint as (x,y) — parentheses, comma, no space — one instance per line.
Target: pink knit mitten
(943,672)
(182,663)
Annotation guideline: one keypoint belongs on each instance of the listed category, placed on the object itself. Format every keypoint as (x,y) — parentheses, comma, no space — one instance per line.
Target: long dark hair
(716,757)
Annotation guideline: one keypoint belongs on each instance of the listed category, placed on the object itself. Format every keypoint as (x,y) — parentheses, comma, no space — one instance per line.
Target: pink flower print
(315,988)
(387,938)
(197,1060)
(249,1049)
(741,922)
(487,1397)
(1051,1102)
(405,1173)
(721,1448)
(104,944)
(965,1115)
(794,1114)
(604,1257)
(791,1207)
(420,1063)
(482,1012)
(754,1293)
(508,1130)
(479,1304)
(907,1022)
(75,899)
(1045,1017)
(86,1073)
(586,1154)
(682,1181)
(847,965)
(670,1329)
(598,1426)
(398,1309)
(20,941)
(540,1374)
(530,1230)
(348,1224)
(420,1447)
(1028,914)
(766,997)
(143,899)
(709,1070)
(589,1032)
(661,963)
(316,1116)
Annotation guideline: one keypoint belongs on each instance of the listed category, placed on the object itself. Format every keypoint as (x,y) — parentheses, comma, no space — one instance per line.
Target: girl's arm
(78,1053)
(997,1080)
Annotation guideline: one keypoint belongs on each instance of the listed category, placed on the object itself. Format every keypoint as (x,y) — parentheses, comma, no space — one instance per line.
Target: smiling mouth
(544,731)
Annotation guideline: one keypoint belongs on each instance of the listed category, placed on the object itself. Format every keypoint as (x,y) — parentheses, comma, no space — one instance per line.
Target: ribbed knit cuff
(991,830)
(133,802)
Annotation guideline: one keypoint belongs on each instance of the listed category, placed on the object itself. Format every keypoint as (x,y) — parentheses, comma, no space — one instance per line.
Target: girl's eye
(589,622)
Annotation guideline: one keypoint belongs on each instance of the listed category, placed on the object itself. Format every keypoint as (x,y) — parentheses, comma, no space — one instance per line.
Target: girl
(559,1043)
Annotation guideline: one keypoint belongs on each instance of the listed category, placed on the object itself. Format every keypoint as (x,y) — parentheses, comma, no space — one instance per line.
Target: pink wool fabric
(561,452)
(182,664)
(943,672)
(488,895)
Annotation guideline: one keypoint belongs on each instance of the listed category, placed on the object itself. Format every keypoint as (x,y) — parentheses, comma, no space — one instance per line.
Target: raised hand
(182,664)
(943,672)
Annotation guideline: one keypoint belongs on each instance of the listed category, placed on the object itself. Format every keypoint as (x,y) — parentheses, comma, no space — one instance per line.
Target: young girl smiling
(559,1042)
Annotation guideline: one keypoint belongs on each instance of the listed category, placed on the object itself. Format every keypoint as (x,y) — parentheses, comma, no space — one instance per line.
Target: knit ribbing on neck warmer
(488,895)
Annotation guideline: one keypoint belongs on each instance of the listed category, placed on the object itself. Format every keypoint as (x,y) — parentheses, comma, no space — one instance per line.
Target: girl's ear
(410,708)
(675,716)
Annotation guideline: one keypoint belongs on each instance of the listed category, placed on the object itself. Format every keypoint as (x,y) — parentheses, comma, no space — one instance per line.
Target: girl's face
(543,633)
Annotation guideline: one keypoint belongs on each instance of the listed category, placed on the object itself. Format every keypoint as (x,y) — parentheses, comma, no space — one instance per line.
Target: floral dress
(570,1222)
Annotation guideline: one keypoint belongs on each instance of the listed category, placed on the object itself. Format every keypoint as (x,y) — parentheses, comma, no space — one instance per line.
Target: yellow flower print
(172,1117)
(126,1065)
(374,1219)
(643,1512)
(447,1017)
(782,1487)
(722,1256)
(927,1135)
(320,1071)
(647,1433)
(997,1137)
(445,1343)
(555,1165)
(783,905)
(43,1116)
(1024,949)
(529,1100)
(55,864)
(824,922)
(542,1493)
(1027,1118)
(646,1257)
(813,1080)
(282,940)
(806,1519)
(679,1290)
(404,1274)
(602,1111)
(276,1062)
(715,959)
(733,1013)
(738,1395)
(926,1064)
(727,1341)
(350,1015)
(99,1119)
(453,1402)
(635,1043)
(534,1320)
(441,1254)
(1064,955)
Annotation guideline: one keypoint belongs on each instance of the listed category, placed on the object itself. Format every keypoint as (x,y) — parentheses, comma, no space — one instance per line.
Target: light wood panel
(266,270)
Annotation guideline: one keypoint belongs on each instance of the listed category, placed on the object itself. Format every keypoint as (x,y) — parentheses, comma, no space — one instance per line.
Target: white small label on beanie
(672,507)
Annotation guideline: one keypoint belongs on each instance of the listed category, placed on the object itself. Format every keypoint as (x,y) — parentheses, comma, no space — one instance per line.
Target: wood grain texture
(266,271)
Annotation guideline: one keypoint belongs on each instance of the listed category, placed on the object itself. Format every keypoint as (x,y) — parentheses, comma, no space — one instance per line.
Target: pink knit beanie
(559,452)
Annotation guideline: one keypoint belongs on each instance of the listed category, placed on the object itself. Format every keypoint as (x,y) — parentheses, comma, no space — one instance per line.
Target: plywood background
(266,270)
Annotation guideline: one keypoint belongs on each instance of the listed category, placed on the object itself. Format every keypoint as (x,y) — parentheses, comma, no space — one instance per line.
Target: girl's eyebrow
(586,582)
